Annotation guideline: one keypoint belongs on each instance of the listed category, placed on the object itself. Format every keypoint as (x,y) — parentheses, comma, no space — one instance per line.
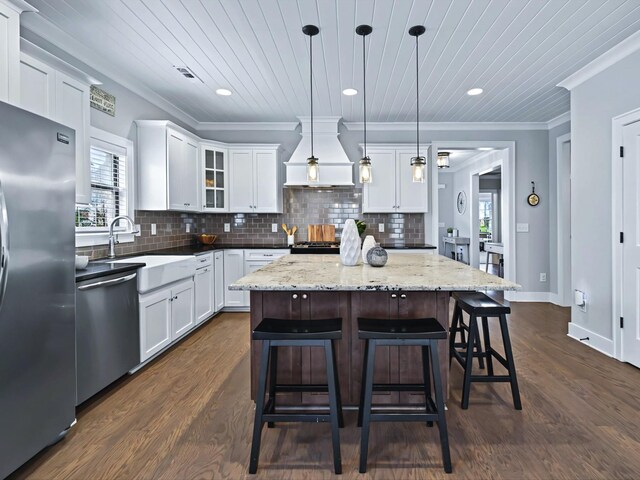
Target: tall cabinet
(10,11)
(393,189)
(255,183)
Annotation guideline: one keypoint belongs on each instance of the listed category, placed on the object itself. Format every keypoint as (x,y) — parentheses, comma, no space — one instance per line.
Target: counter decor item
(361,227)
(350,244)
(450,232)
(206,238)
(377,256)
(455,233)
(368,244)
(81,262)
(533,199)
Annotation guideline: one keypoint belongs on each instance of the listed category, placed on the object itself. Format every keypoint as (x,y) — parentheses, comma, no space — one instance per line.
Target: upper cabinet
(213,180)
(48,89)
(392,189)
(168,167)
(10,49)
(255,183)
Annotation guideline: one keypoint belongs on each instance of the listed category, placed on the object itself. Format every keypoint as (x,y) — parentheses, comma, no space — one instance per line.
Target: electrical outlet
(381,227)
(227,227)
(137,229)
(188,227)
(522,227)
(274,228)
(543,277)
(154,230)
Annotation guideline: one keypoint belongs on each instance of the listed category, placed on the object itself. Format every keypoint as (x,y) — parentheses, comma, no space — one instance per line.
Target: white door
(182,309)
(218,283)
(233,270)
(155,323)
(175,172)
(266,181)
(631,245)
(412,196)
(379,196)
(37,86)
(191,185)
(241,181)
(204,293)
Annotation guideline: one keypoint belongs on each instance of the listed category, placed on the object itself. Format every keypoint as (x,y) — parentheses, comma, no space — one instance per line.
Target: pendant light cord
(311,84)
(364,93)
(417,105)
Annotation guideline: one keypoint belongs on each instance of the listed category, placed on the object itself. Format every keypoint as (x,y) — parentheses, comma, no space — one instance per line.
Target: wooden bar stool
(458,326)
(276,333)
(477,304)
(425,333)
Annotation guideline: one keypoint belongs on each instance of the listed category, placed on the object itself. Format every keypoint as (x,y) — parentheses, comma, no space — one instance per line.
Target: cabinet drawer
(204,260)
(265,255)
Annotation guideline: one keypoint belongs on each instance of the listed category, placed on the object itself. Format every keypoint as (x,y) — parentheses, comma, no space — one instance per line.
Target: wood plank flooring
(188,416)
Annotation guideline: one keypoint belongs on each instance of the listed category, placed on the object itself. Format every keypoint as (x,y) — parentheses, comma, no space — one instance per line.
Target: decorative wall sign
(461,202)
(533,199)
(103,101)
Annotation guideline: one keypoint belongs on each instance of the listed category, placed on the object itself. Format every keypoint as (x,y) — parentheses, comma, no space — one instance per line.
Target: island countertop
(409,272)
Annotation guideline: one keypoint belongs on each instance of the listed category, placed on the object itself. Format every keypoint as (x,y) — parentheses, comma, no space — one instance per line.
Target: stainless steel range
(316,247)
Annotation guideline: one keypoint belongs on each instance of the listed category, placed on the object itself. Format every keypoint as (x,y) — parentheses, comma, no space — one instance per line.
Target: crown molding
(246,126)
(629,45)
(559,120)
(448,126)
(19,6)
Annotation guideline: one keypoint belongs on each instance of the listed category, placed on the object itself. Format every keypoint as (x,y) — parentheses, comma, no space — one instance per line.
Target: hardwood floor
(188,416)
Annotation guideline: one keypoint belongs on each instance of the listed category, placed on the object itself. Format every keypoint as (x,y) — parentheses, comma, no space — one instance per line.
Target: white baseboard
(597,342)
(528,297)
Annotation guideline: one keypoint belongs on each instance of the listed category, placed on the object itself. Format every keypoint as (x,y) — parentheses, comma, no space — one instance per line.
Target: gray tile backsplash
(302,206)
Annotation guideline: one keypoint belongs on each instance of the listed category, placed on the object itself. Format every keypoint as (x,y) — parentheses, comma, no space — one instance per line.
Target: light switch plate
(227,227)
(154,230)
(543,277)
(188,227)
(522,227)
(381,227)
(274,228)
(136,228)
(441,225)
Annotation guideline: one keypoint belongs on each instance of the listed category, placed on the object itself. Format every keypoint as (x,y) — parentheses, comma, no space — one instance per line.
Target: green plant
(450,230)
(361,226)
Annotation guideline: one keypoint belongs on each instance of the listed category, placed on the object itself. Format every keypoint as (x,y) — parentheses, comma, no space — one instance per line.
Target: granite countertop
(402,272)
(103,268)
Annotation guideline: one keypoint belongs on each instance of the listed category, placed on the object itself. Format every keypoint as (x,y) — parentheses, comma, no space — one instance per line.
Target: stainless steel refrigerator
(37,284)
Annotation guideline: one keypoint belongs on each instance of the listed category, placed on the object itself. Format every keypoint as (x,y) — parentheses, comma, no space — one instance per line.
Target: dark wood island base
(307,365)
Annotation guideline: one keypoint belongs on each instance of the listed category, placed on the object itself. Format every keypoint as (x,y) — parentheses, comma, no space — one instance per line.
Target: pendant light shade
(313,170)
(365,161)
(443,160)
(418,162)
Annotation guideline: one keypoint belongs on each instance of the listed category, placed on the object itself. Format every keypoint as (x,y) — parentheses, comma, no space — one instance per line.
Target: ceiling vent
(187,73)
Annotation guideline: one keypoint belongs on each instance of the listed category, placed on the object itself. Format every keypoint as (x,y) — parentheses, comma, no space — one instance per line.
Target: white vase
(368,244)
(350,244)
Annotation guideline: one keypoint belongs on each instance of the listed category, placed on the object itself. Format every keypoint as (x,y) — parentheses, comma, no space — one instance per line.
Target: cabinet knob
(403,296)
(304,295)
(393,295)
(295,295)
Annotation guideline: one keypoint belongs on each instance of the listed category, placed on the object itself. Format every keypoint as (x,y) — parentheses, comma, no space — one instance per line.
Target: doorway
(491,256)
(563,194)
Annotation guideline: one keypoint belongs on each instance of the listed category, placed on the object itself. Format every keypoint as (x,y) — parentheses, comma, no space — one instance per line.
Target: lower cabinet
(165,315)
(218,284)
(204,287)
(234,270)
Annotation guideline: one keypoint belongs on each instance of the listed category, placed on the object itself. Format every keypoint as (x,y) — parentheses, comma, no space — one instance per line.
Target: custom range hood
(335,169)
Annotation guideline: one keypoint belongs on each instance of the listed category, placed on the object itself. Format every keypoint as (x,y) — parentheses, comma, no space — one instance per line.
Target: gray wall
(446,204)
(593,105)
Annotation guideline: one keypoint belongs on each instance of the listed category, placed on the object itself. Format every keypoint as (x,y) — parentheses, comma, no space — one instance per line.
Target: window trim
(101,237)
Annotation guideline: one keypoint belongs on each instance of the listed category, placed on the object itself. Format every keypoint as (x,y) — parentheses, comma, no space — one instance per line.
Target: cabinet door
(266,179)
(9,55)
(190,178)
(250,267)
(241,183)
(214,179)
(37,86)
(72,109)
(412,196)
(379,196)
(175,174)
(155,323)
(182,309)
(233,270)
(204,293)
(218,283)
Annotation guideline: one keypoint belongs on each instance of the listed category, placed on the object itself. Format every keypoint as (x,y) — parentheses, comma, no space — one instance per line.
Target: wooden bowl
(206,238)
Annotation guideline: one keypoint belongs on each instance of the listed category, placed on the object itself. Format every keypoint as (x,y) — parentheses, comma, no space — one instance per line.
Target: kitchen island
(300,287)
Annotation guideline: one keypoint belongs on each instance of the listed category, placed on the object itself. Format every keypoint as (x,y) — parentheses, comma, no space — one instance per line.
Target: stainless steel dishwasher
(107,331)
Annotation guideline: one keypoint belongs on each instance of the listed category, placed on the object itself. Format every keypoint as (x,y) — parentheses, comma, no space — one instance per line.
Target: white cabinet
(392,189)
(168,167)
(165,315)
(233,270)
(218,284)
(64,99)
(204,287)
(255,183)
(213,180)
(9,52)
(255,259)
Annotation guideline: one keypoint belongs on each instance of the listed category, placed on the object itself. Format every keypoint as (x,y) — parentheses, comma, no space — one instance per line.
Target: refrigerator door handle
(4,244)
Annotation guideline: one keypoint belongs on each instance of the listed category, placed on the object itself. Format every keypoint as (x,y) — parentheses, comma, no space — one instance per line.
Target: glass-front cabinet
(215,194)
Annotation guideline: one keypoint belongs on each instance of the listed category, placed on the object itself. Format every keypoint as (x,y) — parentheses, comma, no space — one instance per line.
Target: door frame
(617,200)
(474,211)
(564,297)
(508,197)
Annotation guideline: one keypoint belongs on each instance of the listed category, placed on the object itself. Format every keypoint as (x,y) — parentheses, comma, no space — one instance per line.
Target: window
(486,214)
(111,159)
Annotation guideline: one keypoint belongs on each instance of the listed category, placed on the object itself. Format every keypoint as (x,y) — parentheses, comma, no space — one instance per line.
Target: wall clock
(533,199)
(461,202)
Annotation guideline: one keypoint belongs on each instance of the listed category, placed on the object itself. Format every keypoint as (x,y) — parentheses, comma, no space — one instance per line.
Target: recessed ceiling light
(474,91)
(349,91)
(485,149)
(223,91)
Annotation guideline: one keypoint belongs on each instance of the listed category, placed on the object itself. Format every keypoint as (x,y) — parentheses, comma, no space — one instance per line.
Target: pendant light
(313,170)
(418,162)
(365,161)
(443,160)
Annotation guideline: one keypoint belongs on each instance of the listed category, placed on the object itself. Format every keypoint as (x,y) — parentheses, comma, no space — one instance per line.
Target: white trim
(446,126)
(246,126)
(544,297)
(559,120)
(617,125)
(628,46)
(19,6)
(597,342)
(564,298)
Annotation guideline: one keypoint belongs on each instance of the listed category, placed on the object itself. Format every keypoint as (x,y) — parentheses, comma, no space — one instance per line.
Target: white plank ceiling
(516,50)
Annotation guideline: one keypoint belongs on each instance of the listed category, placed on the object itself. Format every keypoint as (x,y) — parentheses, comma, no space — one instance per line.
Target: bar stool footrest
(296,417)
(404,417)
(280,388)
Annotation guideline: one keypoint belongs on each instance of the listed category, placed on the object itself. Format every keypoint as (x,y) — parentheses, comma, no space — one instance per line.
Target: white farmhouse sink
(161,269)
